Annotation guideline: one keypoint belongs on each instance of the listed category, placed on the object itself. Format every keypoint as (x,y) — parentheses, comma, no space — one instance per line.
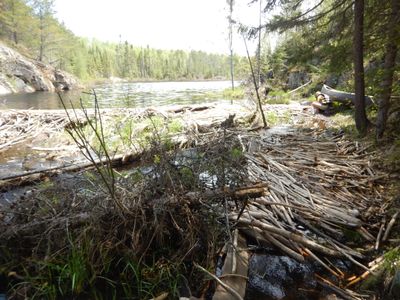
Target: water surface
(123,94)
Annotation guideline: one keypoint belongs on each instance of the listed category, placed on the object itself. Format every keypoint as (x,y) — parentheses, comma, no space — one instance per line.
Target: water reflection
(123,94)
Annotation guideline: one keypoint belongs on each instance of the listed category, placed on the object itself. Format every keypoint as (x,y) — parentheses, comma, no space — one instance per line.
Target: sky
(162,24)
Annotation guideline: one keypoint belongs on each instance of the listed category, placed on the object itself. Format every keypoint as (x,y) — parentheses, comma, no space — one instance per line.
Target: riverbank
(20,74)
(301,189)
(93,82)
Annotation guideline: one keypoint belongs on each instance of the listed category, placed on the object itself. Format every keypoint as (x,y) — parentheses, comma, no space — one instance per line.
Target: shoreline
(151,80)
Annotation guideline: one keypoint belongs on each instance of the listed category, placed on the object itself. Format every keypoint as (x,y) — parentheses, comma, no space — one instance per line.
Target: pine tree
(15,19)
(358,52)
(44,10)
(392,42)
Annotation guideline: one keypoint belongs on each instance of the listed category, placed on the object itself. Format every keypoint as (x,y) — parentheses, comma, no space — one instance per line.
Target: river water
(23,158)
(123,94)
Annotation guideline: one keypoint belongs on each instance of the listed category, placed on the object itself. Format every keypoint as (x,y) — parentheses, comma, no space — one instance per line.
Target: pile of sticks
(19,126)
(317,190)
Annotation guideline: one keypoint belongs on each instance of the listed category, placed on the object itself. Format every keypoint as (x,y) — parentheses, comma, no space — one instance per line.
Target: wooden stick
(291,236)
(378,238)
(308,251)
(224,285)
(300,87)
(390,225)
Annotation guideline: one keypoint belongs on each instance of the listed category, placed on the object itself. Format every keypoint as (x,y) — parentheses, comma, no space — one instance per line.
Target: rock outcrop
(296,79)
(22,74)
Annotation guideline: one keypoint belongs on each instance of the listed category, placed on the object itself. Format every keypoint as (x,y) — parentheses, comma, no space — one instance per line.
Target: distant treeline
(31,27)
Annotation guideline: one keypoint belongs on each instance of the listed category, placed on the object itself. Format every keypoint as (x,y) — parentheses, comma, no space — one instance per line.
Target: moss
(392,159)
(236,153)
(372,282)
(187,176)
(392,260)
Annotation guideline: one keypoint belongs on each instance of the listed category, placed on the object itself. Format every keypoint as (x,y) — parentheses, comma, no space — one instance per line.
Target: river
(123,94)
(22,157)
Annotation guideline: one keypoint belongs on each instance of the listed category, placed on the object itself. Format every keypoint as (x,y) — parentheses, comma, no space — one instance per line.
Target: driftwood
(390,226)
(234,294)
(234,271)
(343,97)
(323,184)
(249,191)
(27,177)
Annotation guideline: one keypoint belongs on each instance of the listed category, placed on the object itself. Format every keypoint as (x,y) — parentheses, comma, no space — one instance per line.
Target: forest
(322,42)
(31,27)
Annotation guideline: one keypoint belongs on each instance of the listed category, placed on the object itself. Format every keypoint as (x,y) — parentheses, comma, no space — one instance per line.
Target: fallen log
(343,97)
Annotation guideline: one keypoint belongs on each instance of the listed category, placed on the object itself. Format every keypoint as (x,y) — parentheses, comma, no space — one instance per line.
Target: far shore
(148,80)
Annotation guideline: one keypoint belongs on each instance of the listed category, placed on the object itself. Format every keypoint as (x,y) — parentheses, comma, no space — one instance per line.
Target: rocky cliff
(22,74)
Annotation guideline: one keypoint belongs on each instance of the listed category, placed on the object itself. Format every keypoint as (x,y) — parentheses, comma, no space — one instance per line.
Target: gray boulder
(21,74)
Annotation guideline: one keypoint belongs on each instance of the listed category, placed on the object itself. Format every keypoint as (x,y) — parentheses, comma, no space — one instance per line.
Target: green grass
(278,97)
(273,118)
(228,94)
(90,271)
(345,121)
(124,135)
(175,126)
(236,94)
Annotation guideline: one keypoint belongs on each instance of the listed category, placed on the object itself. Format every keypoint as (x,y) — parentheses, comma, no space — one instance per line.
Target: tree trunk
(389,66)
(14,24)
(259,46)
(15,37)
(230,3)
(359,101)
(42,38)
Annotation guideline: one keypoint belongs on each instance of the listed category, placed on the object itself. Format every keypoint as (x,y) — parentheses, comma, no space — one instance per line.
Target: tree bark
(389,66)
(42,38)
(358,53)
(230,3)
(259,47)
(14,24)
